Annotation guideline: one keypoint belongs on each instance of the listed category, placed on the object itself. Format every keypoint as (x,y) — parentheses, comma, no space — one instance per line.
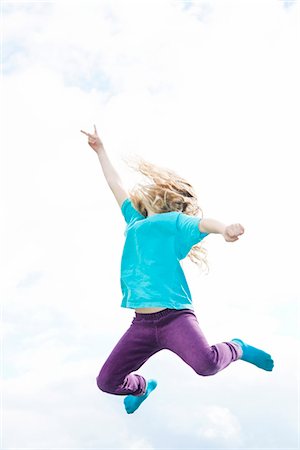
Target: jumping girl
(162,228)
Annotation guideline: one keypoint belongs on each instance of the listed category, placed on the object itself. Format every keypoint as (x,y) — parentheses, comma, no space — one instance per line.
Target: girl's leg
(133,349)
(180,333)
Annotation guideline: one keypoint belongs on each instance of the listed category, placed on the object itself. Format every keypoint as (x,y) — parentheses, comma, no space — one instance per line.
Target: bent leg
(133,349)
(183,336)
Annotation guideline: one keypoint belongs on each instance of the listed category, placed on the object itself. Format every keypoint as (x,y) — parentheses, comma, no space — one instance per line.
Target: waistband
(157,315)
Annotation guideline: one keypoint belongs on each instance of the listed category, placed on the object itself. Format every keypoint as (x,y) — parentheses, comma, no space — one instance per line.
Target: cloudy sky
(209,89)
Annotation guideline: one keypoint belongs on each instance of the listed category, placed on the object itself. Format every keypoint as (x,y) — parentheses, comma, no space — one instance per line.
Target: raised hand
(94,141)
(232,232)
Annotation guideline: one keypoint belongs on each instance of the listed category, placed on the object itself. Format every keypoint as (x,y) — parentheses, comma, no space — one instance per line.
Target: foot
(255,356)
(132,402)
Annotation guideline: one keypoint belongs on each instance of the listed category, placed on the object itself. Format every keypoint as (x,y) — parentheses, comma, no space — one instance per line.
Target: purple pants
(176,330)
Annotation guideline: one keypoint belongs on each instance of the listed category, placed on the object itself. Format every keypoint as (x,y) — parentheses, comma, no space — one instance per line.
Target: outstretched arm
(230,233)
(112,177)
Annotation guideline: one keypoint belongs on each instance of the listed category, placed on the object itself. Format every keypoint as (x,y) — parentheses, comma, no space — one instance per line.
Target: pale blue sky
(209,89)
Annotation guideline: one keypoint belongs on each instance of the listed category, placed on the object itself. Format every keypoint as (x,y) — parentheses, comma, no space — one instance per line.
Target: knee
(209,365)
(102,383)
(207,371)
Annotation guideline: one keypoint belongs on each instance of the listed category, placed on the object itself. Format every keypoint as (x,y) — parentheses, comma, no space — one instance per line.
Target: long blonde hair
(167,191)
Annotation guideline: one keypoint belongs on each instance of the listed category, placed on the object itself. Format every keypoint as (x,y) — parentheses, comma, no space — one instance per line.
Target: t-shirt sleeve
(188,232)
(129,212)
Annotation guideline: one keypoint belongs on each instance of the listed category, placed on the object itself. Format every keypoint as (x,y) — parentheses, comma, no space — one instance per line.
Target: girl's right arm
(112,177)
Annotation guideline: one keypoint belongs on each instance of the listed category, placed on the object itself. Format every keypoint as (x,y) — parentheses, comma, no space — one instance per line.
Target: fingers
(90,135)
(235,230)
(84,132)
(240,230)
(231,232)
(231,239)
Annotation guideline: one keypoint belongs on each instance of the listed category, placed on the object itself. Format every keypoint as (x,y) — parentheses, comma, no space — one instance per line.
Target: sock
(132,402)
(255,356)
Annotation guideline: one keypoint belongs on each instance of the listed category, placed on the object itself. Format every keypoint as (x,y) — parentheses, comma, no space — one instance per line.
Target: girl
(162,228)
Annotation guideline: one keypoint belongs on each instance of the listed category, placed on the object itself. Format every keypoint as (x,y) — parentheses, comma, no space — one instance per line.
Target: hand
(94,140)
(232,232)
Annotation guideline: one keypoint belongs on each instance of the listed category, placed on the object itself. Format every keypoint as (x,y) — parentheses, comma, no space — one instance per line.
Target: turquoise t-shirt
(151,274)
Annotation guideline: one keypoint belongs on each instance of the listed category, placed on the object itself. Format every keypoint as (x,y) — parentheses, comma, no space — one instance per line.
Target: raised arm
(230,233)
(112,177)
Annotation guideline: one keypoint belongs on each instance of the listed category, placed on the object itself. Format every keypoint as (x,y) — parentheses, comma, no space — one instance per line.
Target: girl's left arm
(230,233)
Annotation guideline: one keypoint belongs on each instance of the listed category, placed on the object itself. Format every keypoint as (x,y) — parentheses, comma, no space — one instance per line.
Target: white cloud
(219,423)
(190,86)
(208,423)
(68,413)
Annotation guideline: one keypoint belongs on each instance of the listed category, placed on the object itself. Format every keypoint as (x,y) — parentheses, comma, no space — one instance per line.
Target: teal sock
(132,402)
(255,356)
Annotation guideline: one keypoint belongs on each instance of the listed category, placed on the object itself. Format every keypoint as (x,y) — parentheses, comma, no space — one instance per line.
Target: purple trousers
(176,330)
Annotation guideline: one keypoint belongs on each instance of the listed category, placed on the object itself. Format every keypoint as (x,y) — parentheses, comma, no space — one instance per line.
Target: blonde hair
(167,191)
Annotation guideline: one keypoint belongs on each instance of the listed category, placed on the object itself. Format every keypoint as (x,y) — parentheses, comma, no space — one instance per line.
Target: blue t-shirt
(151,274)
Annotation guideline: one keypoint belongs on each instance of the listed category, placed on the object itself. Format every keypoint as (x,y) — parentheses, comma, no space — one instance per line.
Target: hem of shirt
(152,305)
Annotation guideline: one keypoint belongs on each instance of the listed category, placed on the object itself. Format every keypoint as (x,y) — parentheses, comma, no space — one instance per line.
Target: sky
(209,89)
